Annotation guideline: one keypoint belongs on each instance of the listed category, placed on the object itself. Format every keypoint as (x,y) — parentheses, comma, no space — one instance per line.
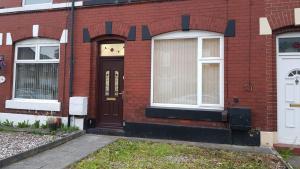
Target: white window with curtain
(188,70)
(36,70)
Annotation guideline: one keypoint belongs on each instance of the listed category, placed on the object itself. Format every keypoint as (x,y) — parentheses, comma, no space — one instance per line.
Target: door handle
(122,94)
(295,105)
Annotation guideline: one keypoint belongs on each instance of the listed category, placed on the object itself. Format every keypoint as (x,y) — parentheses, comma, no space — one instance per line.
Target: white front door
(288,88)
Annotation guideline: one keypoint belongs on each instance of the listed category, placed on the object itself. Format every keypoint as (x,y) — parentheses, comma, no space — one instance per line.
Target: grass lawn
(133,154)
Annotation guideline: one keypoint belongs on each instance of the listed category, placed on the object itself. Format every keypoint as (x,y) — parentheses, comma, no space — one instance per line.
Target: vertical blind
(175,71)
(36,81)
(37,72)
(210,83)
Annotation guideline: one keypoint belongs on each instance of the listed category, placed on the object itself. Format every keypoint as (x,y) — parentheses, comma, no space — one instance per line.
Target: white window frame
(41,4)
(199,35)
(37,43)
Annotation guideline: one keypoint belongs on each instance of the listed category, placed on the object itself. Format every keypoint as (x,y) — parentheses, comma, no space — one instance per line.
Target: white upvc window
(187,70)
(36,2)
(36,70)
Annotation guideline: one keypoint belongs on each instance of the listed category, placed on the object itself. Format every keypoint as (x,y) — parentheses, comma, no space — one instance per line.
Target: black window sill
(187,114)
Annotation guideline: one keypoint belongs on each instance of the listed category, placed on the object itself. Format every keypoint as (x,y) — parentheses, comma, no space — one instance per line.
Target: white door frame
(281,55)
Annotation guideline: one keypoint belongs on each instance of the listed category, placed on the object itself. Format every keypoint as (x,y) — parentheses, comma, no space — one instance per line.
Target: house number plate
(2,79)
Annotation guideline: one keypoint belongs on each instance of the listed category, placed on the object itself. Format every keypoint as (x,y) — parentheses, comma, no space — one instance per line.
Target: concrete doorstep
(294,148)
(293,161)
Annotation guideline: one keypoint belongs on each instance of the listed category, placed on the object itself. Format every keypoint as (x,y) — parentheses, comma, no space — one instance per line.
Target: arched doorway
(288,88)
(110,83)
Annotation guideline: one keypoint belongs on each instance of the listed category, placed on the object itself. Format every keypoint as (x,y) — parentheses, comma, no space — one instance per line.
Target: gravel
(18,142)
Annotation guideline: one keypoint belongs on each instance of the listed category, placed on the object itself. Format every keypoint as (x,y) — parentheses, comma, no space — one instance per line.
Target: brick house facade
(249,29)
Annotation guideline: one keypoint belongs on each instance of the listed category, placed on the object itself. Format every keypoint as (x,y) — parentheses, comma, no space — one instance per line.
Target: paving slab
(295,161)
(66,154)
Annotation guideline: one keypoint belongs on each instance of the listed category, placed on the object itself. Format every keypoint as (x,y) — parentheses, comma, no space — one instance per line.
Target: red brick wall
(137,60)
(250,69)
(10,3)
(49,28)
(245,62)
(280,14)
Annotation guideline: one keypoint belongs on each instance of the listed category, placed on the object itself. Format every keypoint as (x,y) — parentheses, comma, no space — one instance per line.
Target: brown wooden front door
(111,92)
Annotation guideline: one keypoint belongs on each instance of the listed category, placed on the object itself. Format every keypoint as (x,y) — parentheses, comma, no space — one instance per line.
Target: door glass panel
(289,45)
(116,83)
(110,50)
(294,73)
(107,74)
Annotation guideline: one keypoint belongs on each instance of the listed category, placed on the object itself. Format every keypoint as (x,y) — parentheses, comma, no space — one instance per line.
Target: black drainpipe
(72,54)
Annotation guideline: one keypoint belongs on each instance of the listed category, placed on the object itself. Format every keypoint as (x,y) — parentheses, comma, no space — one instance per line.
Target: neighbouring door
(288,81)
(111,88)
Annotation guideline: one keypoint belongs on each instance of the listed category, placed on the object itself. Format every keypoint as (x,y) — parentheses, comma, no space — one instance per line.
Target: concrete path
(295,162)
(66,154)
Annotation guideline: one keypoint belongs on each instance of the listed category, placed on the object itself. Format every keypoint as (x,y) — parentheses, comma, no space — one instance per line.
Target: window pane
(175,71)
(112,49)
(49,52)
(37,81)
(289,45)
(31,2)
(26,53)
(211,47)
(211,83)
